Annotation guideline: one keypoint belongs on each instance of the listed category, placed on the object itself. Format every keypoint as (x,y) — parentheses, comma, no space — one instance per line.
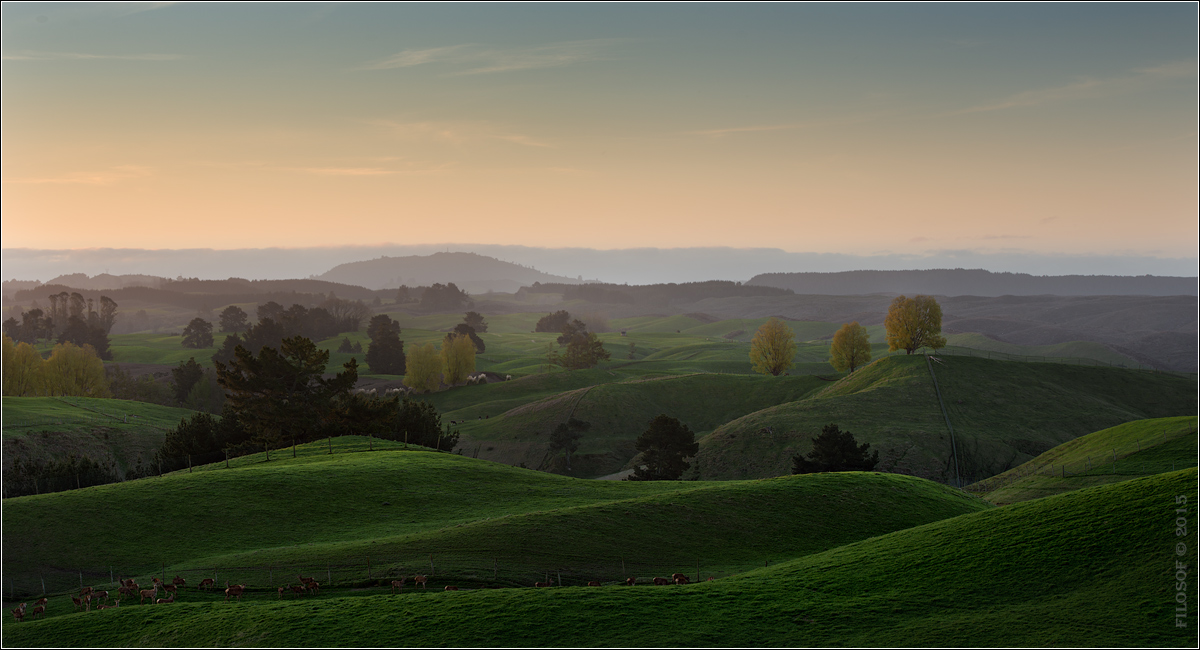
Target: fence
(466,569)
(1120,460)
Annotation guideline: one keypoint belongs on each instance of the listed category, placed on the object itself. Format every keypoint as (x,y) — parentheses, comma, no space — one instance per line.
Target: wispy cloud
(1086,88)
(29,55)
(477,59)
(103,177)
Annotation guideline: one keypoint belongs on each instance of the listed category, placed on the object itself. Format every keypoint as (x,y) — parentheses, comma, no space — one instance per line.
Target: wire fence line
(467,569)
(1120,460)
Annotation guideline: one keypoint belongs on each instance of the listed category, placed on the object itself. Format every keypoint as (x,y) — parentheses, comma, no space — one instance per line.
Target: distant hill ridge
(976,282)
(470,272)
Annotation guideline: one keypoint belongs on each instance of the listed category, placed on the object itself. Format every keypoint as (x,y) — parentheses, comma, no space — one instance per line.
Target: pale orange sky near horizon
(808,128)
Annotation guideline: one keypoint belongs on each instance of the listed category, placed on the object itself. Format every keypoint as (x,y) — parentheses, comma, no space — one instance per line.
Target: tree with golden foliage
(23,375)
(423,368)
(458,358)
(851,348)
(76,371)
(914,323)
(773,348)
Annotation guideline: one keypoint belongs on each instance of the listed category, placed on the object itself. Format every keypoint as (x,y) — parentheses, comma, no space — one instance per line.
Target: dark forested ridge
(976,282)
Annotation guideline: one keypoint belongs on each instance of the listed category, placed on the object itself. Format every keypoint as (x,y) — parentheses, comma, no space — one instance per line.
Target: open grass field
(1094,567)
(1109,456)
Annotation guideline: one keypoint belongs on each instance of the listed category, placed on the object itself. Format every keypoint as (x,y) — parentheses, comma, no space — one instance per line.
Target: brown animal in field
(164,601)
(397,584)
(630,581)
(281,590)
(682,580)
(171,589)
(148,593)
(304,580)
(661,581)
(41,601)
(179,582)
(419,580)
(85,591)
(676,576)
(87,602)
(298,590)
(39,611)
(543,584)
(593,584)
(126,591)
(19,612)
(313,586)
(78,602)
(101,596)
(451,588)
(234,591)
(207,583)
(710,578)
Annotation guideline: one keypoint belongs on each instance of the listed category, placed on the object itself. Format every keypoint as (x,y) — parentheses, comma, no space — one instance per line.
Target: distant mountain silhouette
(975,282)
(472,273)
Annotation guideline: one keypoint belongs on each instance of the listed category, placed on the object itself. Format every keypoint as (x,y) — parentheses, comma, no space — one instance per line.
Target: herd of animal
(129,588)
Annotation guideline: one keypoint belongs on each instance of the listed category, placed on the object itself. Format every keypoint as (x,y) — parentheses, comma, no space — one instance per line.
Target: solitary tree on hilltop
(914,323)
(835,450)
(851,348)
(773,348)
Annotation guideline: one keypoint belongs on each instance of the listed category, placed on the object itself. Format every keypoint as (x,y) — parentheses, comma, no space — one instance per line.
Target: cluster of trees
(26,476)
(834,450)
(583,348)
(275,323)
(70,370)
(281,397)
(444,297)
(72,318)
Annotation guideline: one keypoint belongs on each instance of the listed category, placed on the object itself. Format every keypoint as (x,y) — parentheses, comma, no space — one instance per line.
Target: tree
(914,323)
(442,298)
(773,348)
(234,319)
(463,328)
(458,358)
(583,351)
(80,333)
(851,348)
(423,369)
(198,334)
(566,435)
(184,377)
(475,320)
(553,322)
(76,371)
(346,347)
(108,313)
(570,330)
(418,422)
(282,395)
(385,354)
(835,451)
(664,445)
(23,369)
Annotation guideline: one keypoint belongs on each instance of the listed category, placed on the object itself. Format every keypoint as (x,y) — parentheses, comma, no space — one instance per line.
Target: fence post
(368,568)
(328,574)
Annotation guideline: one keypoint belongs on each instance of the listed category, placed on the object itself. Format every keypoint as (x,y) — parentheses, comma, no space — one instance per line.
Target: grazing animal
(235,591)
(304,580)
(281,590)
(630,581)
(451,588)
(39,611)
(126,591)
(85,591)
(419,580)
(87,602)
(171,588)
(298,590)
(543,584)
(208,583)
(676,576)
(19,612)
(179,582)
(163,601)
(148,593)
(314,586)
(661,581)
(41,601)
(397,584)
(101,596)
(78,602)
(682,580)
(593,584)
(711,578)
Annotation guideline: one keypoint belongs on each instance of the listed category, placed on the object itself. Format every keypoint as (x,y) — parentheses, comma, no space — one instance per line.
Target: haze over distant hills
(629,266)
(975,282)
(470,272)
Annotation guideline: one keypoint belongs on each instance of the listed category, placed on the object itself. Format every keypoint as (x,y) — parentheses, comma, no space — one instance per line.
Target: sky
(850,129)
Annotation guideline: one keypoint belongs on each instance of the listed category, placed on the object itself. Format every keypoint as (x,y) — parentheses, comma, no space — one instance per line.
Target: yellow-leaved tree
(423,368)
(851,348)
(773,348)
(23,375)
(76,371)
(458,358)
(914,323)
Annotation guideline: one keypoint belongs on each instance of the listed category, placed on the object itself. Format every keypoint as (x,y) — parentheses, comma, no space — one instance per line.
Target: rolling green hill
(999,577)
(1003,413)
(1109,456)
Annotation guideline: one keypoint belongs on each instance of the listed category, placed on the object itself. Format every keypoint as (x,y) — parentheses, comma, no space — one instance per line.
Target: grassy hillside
(1003,414)
(40,428)
(617,411)
(1001,577)
(399,507)
(1109,456)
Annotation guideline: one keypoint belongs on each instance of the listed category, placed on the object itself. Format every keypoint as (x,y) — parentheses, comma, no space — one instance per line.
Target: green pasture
(1011,576)
(1138,448)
